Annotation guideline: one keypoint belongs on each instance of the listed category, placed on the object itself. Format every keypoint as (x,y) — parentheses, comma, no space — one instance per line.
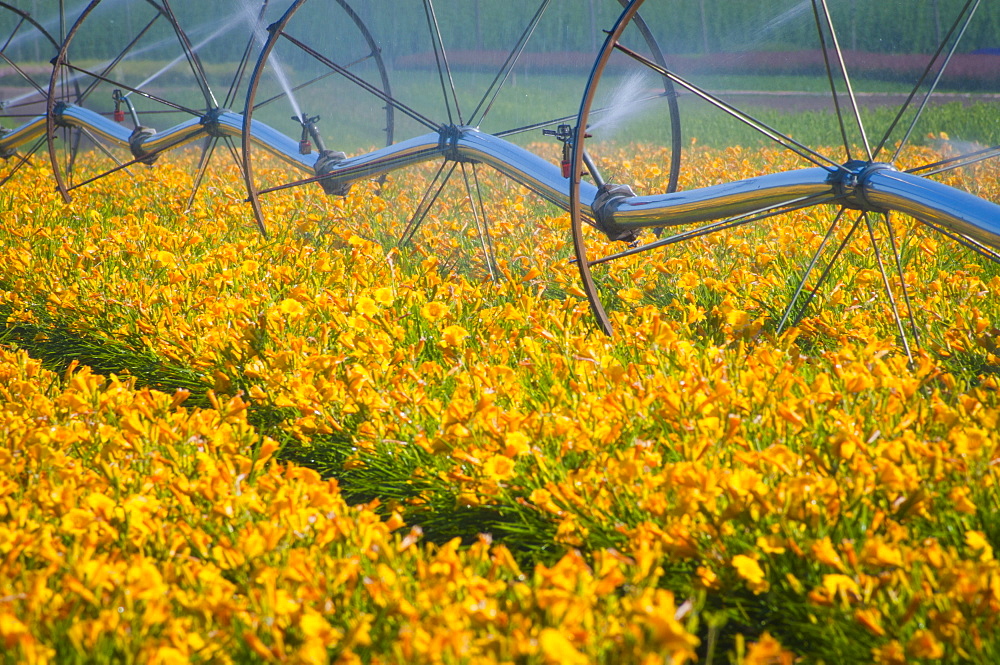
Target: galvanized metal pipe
(881,188)
(730,199)
(19,136)
(935,203)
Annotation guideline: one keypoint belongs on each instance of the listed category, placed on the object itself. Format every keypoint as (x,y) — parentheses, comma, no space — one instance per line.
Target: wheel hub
(851,183)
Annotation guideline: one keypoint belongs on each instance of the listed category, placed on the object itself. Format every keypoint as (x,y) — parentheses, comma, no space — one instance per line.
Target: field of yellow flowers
(322,447)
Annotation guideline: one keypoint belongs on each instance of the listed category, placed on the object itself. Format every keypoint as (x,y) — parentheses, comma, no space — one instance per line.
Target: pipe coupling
(326,163)
(135,141)
(608,198)
(7,153)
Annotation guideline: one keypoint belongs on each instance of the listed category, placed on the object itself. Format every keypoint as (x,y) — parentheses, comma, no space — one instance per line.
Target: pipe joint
(7,153)
(135,143)
(608,198)
(449,138)
(851,185)
(58,114)
(326,163)
(211,122)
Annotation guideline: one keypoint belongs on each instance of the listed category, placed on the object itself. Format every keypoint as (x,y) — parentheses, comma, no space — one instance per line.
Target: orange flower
(434,310)
(498,467)
(924,645)
(291,308)
(751,572)
(768,651)
(558,649)
(454,336)
(383,296)
(824,552)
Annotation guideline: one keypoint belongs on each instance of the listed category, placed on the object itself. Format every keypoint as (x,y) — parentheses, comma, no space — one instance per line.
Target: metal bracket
(210,121)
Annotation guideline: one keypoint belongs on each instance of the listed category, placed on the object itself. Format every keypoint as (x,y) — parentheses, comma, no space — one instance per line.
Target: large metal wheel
(718,89)
(322,62)
(320,77)
(132,82)
(26,48)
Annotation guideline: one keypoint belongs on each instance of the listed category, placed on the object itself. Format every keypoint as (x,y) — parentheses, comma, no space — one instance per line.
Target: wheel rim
(853,126)
(147,69)
(289,70)
(430,99)
(25,44)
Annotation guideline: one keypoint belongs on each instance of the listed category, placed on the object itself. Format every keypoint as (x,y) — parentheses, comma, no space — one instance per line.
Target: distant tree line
(683,26)
(692,26)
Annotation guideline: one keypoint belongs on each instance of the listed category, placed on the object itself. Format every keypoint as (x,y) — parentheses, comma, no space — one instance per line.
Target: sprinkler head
(562,133)
(309,134)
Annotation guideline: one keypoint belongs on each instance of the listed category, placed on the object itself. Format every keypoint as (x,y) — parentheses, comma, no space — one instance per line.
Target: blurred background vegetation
(697,27)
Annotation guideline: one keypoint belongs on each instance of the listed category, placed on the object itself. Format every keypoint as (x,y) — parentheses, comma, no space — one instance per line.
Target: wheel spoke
(934,84)
(493,90)
(191,54)
(808,271)
(721,225)
(33,102)
(256,25)
(952,163)
(137,91)
(234,151)
(479,215)
(817,4)
(25,99)
(902,278)
(441,58)
(206,157)
(827,270)
(965,241)
(22,74)
(22,160)
(888,286)
(566,118)
(310,82)
(82,97)
(427,201)
(10,37)
(970,7)
(821,33)
(364,85)
(218,32)
(124,165)
(72,139)
(788,142)
(100,146)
